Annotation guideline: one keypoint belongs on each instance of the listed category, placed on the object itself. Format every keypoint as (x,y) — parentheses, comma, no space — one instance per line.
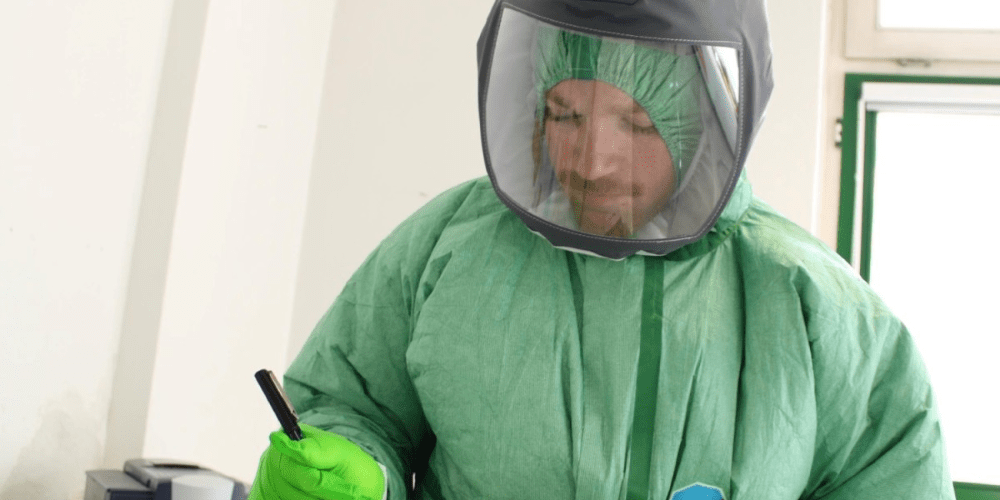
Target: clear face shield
(611,137)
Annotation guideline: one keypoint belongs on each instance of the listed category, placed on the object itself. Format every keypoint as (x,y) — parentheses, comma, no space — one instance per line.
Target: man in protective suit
(611,314)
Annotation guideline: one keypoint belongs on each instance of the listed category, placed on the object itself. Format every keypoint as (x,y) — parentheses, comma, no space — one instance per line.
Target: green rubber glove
(322,465)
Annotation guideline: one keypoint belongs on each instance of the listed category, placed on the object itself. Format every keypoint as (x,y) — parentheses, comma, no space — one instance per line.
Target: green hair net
(665,84)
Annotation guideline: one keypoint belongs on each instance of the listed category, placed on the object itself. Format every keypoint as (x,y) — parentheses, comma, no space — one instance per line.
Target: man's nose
(606,150)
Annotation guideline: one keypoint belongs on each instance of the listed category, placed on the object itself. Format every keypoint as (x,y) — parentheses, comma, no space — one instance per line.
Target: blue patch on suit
(698,491)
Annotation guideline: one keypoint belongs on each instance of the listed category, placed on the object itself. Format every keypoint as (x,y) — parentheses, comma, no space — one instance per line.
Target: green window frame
(975,491)
(851,155)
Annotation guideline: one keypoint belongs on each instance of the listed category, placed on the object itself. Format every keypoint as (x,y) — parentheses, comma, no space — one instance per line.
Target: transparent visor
(609,136)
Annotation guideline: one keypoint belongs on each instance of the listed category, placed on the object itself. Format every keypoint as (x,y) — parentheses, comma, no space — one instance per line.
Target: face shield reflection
(618,129)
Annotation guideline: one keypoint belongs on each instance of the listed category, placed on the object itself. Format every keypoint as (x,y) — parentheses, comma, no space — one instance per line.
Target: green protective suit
(753,362)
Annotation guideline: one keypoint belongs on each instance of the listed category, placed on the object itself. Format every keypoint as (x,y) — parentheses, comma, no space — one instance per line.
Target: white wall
(105,244)
(228,298)
(783,165)
(406,67)
(77,98)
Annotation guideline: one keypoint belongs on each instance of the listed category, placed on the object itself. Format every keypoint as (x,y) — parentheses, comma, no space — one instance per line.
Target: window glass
(952,15)
(934,261)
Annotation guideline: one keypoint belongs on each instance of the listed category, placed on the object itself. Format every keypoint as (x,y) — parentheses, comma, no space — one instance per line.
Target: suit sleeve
(878,432)
(350,377)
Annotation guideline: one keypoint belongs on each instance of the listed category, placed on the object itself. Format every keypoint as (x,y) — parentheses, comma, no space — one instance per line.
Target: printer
(147,479)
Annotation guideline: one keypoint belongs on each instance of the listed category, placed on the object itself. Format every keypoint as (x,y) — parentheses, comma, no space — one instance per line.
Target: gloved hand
(322,465)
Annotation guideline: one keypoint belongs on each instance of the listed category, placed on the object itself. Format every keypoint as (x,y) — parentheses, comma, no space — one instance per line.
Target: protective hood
(616,127)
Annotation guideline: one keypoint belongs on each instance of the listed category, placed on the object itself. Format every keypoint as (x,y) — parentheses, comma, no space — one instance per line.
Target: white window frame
(931,97)
(868,40)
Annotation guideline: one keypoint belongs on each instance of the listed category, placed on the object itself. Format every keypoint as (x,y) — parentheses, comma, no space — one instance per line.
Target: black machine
(147,479)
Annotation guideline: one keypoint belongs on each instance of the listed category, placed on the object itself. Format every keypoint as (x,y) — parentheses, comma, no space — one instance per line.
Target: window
(959,30)
(925,14)
(917,219)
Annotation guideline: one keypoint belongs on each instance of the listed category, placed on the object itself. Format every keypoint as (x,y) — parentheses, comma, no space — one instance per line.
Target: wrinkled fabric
(507,368)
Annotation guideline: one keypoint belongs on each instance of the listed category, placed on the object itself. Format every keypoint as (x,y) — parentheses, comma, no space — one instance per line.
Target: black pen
(279,403)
